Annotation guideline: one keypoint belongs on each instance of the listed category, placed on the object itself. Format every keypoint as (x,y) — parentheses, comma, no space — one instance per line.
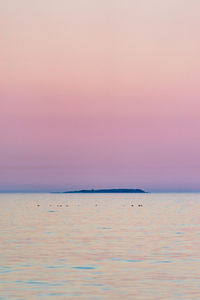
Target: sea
(100,246)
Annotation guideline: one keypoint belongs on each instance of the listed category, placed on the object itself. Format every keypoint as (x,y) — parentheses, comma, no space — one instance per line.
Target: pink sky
(99,94)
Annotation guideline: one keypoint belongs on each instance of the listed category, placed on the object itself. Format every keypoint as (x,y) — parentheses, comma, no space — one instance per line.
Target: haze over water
(99,246)
(99,94)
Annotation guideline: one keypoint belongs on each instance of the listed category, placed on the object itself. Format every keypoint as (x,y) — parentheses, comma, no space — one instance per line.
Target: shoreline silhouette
(106,191)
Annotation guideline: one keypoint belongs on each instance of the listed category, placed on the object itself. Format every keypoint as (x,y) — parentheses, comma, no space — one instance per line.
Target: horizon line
(65,192)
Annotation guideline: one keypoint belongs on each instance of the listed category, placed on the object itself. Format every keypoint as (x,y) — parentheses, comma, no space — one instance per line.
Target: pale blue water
(99,246)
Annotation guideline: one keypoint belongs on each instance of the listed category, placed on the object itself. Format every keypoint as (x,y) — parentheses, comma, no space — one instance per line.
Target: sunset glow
(97,94)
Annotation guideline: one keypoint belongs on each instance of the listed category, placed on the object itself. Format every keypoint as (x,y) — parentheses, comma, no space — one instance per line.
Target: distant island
(107,191)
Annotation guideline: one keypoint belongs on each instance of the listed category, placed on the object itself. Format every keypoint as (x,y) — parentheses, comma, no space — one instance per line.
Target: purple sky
(97,94)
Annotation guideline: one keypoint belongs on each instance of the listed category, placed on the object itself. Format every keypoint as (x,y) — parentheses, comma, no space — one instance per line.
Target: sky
(99,94)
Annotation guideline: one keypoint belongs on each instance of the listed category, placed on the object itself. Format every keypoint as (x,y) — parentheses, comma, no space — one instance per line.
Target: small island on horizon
(106,191)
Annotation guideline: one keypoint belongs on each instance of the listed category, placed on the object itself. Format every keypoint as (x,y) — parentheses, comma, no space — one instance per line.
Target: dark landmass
(107,191)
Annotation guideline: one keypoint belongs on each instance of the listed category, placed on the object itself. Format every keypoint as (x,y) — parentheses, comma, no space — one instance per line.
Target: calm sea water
(99,246)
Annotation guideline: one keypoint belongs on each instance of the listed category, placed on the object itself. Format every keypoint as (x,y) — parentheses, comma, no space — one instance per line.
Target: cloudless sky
(99,94)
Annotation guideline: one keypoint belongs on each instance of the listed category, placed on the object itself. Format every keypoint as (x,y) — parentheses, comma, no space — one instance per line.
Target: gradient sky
(99,94)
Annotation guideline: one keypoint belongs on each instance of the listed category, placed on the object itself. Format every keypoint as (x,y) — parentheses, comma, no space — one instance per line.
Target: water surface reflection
(100,246)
